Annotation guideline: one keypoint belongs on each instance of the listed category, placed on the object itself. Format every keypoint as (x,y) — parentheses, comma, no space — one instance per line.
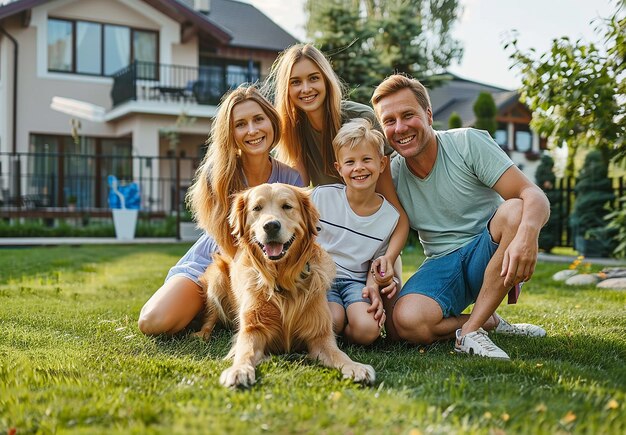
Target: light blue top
(452,205)
(193,264)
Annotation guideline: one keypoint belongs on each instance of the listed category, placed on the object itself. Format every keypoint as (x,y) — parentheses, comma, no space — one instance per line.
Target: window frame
(103,25)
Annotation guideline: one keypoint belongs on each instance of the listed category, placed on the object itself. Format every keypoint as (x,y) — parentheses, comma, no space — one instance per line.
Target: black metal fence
(563,199)
(37,184)
(49,185)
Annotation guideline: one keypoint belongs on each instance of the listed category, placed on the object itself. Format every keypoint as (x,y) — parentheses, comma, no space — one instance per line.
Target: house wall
(6,61)
(37,86)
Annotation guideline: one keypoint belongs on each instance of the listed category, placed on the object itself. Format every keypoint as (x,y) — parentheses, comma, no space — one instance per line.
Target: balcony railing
(148,81)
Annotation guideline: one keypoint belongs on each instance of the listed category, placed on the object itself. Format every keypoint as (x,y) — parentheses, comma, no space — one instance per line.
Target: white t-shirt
(453,203)
(352,240)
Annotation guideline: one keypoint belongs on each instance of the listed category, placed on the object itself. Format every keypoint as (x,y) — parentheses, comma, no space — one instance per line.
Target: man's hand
(520,258)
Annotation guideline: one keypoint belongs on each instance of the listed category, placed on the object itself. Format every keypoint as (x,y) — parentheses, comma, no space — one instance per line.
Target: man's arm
(520,256)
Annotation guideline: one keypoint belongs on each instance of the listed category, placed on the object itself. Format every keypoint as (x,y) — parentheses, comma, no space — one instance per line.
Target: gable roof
(249,27)
(459,95)
(176,10)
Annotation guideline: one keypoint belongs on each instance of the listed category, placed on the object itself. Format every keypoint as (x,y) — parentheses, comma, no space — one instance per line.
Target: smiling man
(478,218)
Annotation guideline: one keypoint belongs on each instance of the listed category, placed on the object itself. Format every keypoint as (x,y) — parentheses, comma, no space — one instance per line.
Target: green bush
(485,111)
(594,195)
(546,180)
(38,228)
(455,121)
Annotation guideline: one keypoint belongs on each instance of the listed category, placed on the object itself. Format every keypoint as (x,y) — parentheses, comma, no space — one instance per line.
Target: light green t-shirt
(313,139)
(452,205)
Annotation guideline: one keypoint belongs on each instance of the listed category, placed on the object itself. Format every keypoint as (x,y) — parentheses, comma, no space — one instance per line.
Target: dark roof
(249,27)
(459,95)
(172,8)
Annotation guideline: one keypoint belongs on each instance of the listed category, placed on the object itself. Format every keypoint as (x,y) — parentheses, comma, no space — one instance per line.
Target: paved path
(74,241)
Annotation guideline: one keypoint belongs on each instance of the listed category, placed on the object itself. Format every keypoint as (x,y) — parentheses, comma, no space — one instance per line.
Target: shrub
(485,111)
(594,194)
(551,232)
(455,121)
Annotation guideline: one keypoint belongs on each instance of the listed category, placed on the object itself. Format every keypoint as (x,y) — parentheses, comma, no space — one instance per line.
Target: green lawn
(73,360)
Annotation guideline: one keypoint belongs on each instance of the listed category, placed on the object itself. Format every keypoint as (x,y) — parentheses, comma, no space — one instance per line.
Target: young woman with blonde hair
(245,129)
(308,96)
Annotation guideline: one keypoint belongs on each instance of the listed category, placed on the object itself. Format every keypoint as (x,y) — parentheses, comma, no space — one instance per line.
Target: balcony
(148,81)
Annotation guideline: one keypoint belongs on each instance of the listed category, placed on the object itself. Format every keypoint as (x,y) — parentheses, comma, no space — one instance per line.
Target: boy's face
(360,166)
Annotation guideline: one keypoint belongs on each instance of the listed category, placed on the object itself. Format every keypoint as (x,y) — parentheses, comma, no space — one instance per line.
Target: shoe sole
(472,353)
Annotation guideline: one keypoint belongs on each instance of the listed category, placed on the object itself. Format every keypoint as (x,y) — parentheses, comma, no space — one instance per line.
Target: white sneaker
(524,329)
(477,343)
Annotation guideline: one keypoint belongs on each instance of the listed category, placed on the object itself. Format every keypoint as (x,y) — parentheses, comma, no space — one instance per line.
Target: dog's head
(273,217)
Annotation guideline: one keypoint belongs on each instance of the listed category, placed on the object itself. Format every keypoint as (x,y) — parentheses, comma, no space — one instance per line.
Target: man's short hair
(357,131)
(397,82)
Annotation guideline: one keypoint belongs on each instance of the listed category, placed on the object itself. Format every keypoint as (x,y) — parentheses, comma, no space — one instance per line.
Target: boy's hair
(395,83)
(357,131)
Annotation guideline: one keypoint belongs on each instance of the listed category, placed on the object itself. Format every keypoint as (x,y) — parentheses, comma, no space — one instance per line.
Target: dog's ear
(237,216)
(310,215)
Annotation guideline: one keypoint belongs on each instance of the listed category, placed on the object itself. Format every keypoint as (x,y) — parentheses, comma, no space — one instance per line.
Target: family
(478,217)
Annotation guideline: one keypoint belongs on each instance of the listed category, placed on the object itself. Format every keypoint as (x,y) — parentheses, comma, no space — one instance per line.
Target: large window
(86,47)
(63,170)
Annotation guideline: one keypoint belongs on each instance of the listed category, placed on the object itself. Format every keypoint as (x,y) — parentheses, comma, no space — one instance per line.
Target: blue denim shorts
(346,291)
(454,280)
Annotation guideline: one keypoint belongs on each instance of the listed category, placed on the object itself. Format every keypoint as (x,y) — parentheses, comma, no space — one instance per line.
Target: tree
(576,89)
(455,121)
(370,39)
(345,40)
(594,194)
(551,232)
(485,111)
(577,92)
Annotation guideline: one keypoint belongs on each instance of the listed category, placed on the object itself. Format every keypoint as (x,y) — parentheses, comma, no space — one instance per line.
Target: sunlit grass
(73,360)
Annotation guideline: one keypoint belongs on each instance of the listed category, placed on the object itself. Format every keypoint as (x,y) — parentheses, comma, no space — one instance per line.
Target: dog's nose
(271,228)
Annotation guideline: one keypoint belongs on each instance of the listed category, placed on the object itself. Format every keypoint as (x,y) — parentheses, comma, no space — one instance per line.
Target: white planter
(189,231)
(125,222)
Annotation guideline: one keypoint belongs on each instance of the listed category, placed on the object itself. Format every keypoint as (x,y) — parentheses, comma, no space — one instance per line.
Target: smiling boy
(356,225)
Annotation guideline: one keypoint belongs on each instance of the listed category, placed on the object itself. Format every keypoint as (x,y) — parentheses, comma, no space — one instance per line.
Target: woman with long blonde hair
(245,129)
(308,96)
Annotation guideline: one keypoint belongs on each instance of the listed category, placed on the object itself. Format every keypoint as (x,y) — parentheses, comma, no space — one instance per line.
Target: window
(523,138)
(85,47)
(62,168)
(502,136)
(88,45)
(60,45)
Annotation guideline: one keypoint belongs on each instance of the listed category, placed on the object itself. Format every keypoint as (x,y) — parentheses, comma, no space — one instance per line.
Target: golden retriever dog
(274,289)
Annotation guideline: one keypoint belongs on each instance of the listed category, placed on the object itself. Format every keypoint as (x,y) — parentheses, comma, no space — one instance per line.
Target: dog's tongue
(273,249)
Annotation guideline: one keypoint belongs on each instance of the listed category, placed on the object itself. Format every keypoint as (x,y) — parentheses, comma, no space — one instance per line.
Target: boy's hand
(371,292)
(382,271)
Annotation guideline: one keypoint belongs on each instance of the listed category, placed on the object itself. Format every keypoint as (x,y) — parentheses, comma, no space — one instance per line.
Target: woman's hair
(293,119)
(359,131)
(220,174)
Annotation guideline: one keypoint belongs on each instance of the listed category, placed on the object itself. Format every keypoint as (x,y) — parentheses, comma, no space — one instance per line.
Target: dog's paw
(358,372)
(238,376)
(206,336)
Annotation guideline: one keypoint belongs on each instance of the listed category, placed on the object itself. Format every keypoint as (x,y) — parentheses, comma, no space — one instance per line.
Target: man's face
(407,126)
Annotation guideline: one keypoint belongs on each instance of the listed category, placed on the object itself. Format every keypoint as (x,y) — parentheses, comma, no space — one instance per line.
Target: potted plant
(594,196)
(71,202)
(188,228)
